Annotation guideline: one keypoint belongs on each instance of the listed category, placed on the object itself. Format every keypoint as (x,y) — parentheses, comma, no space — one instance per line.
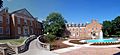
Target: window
(31,30)
(77,33)
(84,30)
(19,30)
(1,19)
(18,20)
(73,29)
(96,28)
(92,28)
(80,29)
(1,30)
(7,20)
(7,30)
(31,23)
(25,21)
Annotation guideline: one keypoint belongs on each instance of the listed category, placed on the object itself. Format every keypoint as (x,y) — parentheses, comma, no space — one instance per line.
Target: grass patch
(13,41)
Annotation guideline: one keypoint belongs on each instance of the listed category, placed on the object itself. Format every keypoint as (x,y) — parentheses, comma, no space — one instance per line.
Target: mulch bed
(58,45)
(77,42)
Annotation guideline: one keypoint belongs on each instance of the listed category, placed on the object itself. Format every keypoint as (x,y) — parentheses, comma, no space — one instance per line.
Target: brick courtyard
(93,51)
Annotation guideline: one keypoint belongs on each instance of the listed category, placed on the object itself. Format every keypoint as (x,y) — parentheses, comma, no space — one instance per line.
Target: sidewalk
(34,50)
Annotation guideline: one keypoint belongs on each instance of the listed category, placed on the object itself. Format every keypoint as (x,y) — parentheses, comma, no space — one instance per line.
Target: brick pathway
(93,51)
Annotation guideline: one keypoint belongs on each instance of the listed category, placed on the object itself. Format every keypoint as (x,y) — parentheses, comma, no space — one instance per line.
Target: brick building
(88,30)
(18,23)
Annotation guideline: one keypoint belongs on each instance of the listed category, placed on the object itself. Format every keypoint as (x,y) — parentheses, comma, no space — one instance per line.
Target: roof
(23,11)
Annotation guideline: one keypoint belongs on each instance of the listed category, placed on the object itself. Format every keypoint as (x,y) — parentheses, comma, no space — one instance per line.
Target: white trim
(13,18)
(23,17)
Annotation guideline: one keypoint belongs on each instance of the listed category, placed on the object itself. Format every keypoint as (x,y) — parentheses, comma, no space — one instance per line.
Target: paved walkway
(86,49)
(93,51)
(34,50)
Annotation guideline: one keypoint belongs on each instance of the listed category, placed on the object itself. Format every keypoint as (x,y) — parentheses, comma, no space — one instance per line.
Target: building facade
(18,23)
(4,23)
(88,30)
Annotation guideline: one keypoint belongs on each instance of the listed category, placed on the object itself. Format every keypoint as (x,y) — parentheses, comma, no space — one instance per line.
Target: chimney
(6,9)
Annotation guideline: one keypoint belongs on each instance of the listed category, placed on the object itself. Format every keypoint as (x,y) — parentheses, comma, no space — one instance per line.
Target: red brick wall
(84,32)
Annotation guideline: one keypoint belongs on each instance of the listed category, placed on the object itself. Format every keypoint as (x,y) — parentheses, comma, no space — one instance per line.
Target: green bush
(50,38)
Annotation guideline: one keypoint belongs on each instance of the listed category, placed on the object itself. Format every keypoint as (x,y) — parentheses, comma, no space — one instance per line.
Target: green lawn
(13,41)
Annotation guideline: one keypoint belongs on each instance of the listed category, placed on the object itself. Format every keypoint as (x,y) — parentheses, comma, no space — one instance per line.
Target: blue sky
(74,11)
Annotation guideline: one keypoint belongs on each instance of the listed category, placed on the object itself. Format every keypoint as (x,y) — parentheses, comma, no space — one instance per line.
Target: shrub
(50,38)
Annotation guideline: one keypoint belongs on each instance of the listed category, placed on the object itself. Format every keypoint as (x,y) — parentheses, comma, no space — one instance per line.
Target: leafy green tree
(1,3)
(106,33)
(54,24)
(107,27)
(112,27)
(116,25)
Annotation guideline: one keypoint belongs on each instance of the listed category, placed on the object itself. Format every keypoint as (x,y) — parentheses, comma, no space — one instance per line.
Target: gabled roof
(23,12)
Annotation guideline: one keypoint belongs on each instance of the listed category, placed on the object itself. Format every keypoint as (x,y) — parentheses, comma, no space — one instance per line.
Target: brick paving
(93,51)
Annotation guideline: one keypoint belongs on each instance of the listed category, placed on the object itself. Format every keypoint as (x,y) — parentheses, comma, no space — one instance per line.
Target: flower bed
(106,43)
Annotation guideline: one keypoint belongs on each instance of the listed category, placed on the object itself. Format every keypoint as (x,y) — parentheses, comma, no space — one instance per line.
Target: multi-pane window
(7,20)
(18,20)
(7,30)
(1,19)
(19,30)
(25,21)
(31,23)
(31,30)
(1,30)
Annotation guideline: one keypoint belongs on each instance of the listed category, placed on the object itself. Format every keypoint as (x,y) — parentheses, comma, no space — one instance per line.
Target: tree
(1,3)
(112,27)
(116,25)
(54,24)
(107,27)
